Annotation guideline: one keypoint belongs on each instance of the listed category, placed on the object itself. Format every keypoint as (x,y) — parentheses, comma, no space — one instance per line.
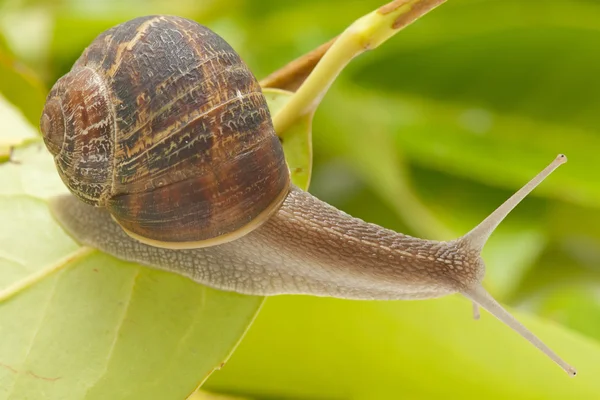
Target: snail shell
(162,123)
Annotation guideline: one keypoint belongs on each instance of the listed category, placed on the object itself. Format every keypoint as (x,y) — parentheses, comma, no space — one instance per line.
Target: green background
(425,135)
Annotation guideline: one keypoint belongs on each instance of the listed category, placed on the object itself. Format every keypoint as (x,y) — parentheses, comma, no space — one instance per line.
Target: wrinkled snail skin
(163,136)
(307,247)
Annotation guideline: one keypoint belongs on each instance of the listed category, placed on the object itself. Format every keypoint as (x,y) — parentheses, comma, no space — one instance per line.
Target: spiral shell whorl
(194,154)
(78,130)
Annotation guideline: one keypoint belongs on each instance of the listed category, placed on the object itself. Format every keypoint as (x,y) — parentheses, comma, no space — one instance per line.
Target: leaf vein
(117,331)
(43,318)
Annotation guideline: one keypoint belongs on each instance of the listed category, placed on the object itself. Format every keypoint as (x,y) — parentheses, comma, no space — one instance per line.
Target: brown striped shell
(162,123)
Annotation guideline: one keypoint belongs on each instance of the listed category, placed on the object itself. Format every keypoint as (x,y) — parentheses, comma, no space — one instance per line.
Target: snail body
(307,247)
(164,137)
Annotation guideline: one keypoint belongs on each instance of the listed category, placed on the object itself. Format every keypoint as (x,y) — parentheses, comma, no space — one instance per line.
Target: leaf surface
(304,347)
(99,328)
(296,141)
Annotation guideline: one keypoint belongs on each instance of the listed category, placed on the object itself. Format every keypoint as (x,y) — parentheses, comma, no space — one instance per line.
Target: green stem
(364,34)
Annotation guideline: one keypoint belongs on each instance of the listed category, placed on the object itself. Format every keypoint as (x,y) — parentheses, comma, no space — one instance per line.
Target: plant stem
(291,76)
(364,34)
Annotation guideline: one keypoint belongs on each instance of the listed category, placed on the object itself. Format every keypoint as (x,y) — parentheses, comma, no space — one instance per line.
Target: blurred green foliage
(425,135)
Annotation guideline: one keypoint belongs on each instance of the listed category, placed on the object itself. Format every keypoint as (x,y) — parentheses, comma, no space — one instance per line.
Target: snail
(164,137)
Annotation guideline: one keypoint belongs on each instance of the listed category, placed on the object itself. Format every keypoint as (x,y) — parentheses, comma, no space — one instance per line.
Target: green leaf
(492,90)
(99,327)
(509,153)
(202,395)
(15,130)
(303,347)
(574,306)
(103,328)
(296,141)
(21,86)
(441,136)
